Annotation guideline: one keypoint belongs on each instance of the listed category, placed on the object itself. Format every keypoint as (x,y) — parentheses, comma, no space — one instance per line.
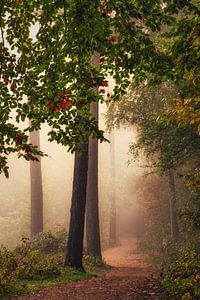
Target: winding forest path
(128,279)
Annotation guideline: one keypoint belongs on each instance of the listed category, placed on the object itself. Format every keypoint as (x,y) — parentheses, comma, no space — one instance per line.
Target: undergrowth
(39,263)
(179,264)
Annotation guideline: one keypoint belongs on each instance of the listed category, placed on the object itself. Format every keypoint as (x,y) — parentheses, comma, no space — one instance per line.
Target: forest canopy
(52,76)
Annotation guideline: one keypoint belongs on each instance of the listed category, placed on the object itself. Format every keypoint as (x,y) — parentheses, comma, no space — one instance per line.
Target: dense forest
(99,149)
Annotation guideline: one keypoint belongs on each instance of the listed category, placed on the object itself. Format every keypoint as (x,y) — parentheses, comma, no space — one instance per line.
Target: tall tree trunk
(92,202)
(113,225)
(172,205)
(74,252)
(36,189)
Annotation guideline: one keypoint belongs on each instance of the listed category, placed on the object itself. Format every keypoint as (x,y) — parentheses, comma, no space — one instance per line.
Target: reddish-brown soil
(128,279)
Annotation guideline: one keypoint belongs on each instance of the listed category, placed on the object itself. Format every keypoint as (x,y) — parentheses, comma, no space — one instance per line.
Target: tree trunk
(92,202)
(36,189)
(112,233)
(74,252)
(172,205)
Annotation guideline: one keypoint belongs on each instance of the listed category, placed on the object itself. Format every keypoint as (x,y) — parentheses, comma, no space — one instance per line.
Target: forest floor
(128,278)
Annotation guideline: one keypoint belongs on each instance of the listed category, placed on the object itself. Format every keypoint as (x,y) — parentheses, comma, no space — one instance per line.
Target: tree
(173,212)
(113,219)
(36,189)
(152,193)
(166,146)
(74,251)
(92,202)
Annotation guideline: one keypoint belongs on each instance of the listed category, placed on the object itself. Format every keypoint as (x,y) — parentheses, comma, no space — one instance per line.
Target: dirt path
(129,278)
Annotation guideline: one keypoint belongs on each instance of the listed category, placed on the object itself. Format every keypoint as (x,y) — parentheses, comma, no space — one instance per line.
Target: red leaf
(112,39)
(105,83)
(5,80)
(13,86)
(102,91)
(102,60)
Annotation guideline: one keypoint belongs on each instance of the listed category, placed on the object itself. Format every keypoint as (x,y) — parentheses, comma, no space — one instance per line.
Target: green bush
(36,265)
(181,276)
(46,242)
(41,257)
(37,259)
(180,265)
(91,262)
(8,265)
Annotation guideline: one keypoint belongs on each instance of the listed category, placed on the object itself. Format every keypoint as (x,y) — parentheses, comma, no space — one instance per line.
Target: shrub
(181,277)
(36,265)
(46,242)
(8,264)
(37,259)
(91,262)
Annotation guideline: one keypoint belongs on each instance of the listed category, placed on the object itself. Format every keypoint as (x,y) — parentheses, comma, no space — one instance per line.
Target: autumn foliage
(64,102)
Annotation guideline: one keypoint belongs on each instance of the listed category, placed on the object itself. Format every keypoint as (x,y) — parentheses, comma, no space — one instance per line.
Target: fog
(57,176)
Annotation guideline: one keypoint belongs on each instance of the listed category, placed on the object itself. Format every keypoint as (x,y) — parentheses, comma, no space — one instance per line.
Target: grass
(30,286)
(23,287)
(37,285)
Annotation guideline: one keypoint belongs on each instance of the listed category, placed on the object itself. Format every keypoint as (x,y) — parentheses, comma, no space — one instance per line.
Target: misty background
(57,176)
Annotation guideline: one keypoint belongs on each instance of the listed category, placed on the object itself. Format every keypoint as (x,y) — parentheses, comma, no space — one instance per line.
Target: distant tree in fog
(36,188)
(173,206)
(112,192)
(165,145)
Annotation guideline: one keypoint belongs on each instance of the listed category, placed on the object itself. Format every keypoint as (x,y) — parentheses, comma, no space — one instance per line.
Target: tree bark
(113,225)
(36,189)
(172,205)
(74,251)
(92,203)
